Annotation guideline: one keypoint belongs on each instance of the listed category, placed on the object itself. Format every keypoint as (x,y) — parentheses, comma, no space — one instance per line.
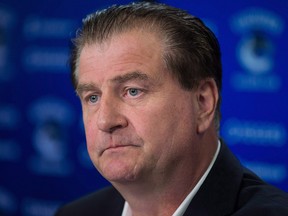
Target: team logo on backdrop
(257,133)
(51,118)
(274,173)
(46,58)
(255,51)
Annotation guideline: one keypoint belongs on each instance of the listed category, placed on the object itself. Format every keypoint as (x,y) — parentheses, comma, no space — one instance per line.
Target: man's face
(139,123)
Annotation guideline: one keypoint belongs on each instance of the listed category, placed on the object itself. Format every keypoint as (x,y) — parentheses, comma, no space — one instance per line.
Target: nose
(110,115)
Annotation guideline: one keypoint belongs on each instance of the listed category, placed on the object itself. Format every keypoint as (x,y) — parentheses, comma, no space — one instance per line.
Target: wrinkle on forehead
(124,53)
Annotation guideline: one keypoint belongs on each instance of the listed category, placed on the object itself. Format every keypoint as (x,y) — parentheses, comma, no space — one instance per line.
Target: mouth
(116,148)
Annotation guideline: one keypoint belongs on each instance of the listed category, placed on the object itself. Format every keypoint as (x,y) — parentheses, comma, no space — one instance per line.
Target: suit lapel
(218,194)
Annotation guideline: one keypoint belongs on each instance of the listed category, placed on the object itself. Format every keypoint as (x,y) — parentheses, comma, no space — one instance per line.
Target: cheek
(156,127)
(91,135)
(166,128)
(92,143)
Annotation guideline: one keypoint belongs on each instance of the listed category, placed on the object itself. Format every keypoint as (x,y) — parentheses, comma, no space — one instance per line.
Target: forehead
(133,50)
(135,40)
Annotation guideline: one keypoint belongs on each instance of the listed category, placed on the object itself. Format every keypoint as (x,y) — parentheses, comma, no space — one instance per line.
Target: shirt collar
(184,205)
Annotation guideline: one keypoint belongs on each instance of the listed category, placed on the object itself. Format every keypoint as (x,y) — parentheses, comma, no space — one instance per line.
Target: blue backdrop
(43,157)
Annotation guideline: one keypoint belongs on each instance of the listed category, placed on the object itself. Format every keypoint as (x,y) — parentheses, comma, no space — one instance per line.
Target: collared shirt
(184,205)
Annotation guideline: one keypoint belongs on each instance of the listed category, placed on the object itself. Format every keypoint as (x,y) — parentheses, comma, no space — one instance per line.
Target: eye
(93,99)
(133,92)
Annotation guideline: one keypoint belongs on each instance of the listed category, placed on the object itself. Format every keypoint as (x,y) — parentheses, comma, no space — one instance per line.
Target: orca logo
(255,53)
(256,48)
(51,117)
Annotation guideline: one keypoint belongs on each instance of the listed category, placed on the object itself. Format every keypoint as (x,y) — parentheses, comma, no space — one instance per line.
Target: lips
(119,142)
(121,146)
(118,147)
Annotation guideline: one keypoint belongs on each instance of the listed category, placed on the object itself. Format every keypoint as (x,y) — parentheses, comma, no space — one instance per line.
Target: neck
(154,200)
(162,195)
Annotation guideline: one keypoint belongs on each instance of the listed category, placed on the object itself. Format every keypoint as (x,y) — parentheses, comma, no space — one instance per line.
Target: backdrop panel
(43,157)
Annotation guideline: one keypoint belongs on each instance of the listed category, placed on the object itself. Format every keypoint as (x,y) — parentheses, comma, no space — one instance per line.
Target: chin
(119,171)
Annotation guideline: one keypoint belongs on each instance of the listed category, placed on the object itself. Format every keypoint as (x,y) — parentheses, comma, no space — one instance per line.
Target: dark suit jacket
(229,189)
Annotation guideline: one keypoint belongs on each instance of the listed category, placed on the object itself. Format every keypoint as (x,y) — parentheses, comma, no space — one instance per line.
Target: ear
(207,98)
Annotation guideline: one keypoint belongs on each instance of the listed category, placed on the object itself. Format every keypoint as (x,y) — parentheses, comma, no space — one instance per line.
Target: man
(149,79)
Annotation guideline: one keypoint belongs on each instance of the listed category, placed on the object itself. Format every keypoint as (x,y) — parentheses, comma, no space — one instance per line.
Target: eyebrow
(136,75)
(85,87)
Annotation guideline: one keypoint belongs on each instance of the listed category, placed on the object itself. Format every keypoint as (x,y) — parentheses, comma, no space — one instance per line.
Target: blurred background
(43,157)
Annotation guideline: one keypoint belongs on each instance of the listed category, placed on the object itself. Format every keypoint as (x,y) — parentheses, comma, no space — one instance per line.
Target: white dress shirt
(184,205)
